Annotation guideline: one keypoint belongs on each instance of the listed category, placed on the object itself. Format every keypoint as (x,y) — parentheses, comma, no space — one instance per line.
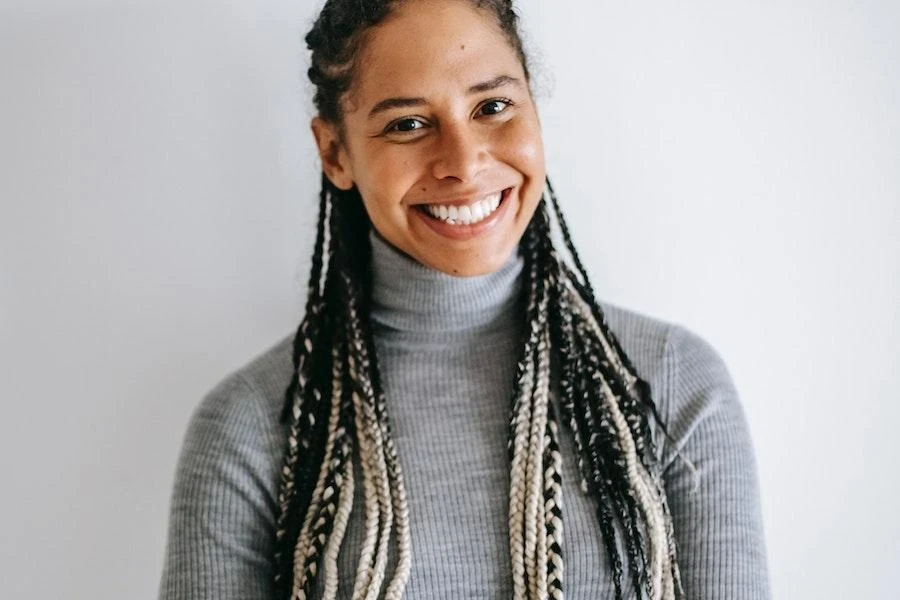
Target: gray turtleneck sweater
(447,349)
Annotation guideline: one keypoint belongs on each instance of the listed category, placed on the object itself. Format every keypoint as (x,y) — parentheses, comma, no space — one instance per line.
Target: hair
(336,408)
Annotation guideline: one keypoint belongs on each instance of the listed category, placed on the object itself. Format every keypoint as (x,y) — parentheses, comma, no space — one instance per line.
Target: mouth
(466,214)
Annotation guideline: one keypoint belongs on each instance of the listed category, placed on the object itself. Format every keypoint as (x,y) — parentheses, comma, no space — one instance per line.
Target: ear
(335,162)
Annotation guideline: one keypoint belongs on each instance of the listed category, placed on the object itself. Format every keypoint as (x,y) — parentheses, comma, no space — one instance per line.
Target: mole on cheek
(462,47)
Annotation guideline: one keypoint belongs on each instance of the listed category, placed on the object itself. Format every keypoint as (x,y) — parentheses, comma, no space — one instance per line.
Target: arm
(221,521)
(715,508)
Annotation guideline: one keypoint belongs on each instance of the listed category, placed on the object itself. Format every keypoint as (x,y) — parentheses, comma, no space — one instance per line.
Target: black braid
(600,479)
(572,386)
(551,449)
(303,399)
(641,389)
(607,450)
(311,324)
(583,365)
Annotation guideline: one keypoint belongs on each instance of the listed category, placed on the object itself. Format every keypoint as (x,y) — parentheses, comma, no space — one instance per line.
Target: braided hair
(335,405)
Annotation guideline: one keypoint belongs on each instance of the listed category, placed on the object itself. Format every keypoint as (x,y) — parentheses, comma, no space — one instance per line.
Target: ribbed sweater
(446,351)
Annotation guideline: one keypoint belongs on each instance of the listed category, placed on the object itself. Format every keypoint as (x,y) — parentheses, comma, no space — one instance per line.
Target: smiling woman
(463,417)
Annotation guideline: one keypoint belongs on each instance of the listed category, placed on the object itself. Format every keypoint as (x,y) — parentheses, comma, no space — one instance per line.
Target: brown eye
(406,125)
(494,107)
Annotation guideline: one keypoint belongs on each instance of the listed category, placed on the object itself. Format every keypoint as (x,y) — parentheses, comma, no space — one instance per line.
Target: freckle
(462,47)
(424,189)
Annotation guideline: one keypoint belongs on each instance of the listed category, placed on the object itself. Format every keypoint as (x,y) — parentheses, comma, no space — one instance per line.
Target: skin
(467,127)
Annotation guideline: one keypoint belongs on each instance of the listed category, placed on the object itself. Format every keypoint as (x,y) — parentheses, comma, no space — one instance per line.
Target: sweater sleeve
(710,477)
(221,522)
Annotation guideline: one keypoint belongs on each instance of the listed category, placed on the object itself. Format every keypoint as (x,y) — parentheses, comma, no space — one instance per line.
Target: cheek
(524,149)
(387,168)
(524,152)
(383,181)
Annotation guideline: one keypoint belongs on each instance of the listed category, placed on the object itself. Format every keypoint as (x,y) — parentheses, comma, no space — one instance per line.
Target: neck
(410,297)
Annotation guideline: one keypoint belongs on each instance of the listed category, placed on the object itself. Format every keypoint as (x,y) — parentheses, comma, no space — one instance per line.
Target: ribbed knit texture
(447,349)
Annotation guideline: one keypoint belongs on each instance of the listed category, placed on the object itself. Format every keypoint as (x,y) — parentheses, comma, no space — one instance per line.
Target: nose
(461,154)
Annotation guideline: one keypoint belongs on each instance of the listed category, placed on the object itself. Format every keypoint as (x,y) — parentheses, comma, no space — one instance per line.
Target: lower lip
(467,232)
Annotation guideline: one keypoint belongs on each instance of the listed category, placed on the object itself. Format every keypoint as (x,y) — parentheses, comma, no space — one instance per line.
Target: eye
(494,107)
(406,125)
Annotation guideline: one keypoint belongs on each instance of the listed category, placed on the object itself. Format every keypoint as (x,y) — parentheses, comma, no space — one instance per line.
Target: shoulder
(689,381)
(650,338)
(241,412)
(654,345)
(224,498)
(658,347)
(264,378)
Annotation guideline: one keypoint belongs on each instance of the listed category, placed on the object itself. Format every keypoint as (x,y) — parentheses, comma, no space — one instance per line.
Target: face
(441,138)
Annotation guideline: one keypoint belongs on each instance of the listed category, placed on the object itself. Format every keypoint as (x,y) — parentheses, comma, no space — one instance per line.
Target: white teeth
(465,215)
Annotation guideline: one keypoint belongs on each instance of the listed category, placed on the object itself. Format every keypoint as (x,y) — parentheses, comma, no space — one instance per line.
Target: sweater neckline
(407,296)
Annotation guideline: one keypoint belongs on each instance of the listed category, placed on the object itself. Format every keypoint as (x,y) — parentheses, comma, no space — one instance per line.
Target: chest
(449,412)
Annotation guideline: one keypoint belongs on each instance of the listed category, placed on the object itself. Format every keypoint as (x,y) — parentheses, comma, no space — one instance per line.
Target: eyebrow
(478,88)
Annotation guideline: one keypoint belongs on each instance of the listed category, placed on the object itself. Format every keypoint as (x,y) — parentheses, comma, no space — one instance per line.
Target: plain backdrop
(730,166)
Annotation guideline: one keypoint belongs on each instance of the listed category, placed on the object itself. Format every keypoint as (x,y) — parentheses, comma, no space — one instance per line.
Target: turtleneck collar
(410,297)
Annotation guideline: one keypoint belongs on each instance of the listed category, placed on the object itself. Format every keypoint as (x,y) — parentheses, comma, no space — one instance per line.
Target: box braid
(335,405)
(315,495)
(608,406)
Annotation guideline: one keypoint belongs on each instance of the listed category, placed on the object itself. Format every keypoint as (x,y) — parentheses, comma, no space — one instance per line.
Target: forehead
(431,46)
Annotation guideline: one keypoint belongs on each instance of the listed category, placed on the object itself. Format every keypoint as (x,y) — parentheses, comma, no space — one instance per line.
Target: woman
(460,420)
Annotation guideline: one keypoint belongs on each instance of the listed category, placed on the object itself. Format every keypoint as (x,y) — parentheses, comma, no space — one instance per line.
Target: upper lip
(461,199)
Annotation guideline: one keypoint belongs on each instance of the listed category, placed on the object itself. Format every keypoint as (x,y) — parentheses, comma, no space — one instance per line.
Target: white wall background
(732,166)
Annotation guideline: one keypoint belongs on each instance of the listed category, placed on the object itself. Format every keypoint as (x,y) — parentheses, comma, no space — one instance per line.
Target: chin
(468,266)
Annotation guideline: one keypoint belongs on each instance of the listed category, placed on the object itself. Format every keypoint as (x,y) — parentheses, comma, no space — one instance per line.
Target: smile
(468,214)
